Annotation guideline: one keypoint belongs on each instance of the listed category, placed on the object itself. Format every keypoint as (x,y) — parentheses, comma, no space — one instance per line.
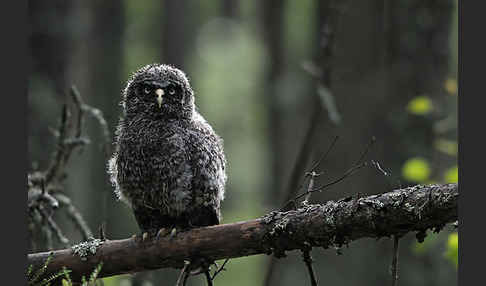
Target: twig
(96,113)
(69,137)
(209,280)
(220,268)
(302,159)
(75,216)
(324,156)
(291,202)
(78,101)
(346,174)
(53,226)
(184,274)
(102,231)
(310,187)
(358,165)
(57,161)
(36,197)
(310,269)
(394,264)
(366,151)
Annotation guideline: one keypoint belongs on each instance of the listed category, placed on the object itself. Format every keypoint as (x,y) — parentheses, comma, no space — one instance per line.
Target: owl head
(158,91)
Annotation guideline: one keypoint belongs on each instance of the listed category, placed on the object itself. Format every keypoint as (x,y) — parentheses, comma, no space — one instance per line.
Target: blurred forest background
(253,65)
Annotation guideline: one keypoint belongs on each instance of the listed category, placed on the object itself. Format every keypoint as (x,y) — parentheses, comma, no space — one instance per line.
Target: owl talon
(161,233)
(173,233)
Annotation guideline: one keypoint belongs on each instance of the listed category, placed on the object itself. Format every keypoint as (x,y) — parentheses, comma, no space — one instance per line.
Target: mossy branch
(333,224)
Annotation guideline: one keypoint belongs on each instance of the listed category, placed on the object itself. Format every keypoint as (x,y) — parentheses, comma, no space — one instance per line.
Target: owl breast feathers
(169,164)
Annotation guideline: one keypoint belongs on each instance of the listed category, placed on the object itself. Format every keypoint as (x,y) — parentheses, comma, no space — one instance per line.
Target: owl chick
(168,164)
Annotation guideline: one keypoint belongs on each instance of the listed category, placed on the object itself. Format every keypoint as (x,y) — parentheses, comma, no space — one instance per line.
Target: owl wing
(209,179)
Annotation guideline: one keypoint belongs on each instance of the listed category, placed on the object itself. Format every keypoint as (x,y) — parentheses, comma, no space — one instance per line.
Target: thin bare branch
(75,216)
(394,264)
(209,280)
(308,262)
(184,274)
(220,268)
(54,228)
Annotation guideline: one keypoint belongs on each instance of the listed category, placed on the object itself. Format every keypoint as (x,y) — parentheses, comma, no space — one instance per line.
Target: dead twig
(209,280)
(75,216)
(308,262)
(221,268)
(44,187)
(184,274)
(53,226)
(394,264)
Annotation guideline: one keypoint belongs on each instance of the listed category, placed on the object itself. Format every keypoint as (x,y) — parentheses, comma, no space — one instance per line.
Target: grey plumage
(168,164)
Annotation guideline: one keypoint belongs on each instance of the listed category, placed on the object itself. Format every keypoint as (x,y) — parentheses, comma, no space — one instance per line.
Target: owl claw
(162,232)
(144,236)
(173,233)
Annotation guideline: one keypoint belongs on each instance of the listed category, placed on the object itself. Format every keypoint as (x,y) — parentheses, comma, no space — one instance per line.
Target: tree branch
(334,223)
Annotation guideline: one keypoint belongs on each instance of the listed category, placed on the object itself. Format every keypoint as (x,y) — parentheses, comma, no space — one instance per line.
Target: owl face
(158,91)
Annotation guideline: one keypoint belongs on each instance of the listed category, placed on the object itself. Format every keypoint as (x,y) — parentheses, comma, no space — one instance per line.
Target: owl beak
(159,93)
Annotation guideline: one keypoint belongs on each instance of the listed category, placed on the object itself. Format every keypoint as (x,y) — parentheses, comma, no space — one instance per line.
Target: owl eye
(146,90)
(171,91)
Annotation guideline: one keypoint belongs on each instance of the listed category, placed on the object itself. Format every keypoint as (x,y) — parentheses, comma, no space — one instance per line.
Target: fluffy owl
(168,165)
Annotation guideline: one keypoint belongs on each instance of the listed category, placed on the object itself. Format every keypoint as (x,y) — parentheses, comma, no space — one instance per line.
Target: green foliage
(420,105)
(451,175)
(117,280)
(33,280)
(51,278)
(29,270)
(453,248)
(416,170)
(448,147)
(95,273)
(66,281)
(451,86)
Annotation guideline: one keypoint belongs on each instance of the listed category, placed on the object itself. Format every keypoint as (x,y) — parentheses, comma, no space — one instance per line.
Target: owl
(168,164)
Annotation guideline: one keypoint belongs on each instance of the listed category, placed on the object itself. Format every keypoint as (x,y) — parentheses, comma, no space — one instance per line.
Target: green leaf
(420,105)
(448,147)
(416,170)
(453,248)
(53,277)
(95,273)
(41,270)
(452,175)
(115,280)
(451,86)
(29,270)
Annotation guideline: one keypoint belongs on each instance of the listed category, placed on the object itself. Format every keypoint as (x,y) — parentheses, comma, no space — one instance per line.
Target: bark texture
(333,224)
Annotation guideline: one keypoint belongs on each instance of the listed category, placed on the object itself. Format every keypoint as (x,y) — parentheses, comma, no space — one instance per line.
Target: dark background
(394,71)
